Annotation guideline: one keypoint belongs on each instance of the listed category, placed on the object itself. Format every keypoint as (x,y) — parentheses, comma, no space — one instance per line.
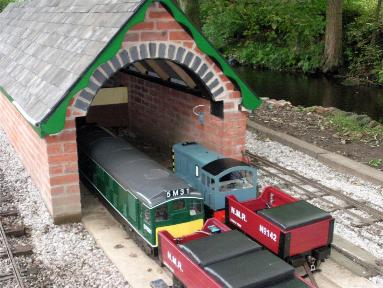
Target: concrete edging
(357,255)
(336,161)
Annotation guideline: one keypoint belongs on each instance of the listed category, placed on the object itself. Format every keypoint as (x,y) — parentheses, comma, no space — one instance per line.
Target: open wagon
(295,230)
(219,257)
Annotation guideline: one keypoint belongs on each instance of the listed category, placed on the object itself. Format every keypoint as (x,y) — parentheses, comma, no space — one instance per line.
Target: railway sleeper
(10,275)
(8,213)
(5,199)
(17,250)
(6,277)
(365,223)
(15,231)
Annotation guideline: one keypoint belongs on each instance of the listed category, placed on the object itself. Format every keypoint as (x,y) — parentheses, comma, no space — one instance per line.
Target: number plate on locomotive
(177,193)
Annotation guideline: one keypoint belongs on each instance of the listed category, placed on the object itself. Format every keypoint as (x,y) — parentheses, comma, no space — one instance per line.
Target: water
(308,91)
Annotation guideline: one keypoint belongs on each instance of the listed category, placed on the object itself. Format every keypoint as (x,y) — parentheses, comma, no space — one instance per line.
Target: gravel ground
(356,188)
(64,256)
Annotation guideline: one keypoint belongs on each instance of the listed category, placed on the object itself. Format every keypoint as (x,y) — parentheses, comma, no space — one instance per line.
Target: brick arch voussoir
(150,50)
(179,54)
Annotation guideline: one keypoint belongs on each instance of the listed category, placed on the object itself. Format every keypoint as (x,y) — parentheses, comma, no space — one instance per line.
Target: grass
(354,129)
(376,163)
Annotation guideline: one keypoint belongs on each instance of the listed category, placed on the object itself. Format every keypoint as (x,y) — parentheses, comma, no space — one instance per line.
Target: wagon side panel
(309,237)
(253,225)
(189,273)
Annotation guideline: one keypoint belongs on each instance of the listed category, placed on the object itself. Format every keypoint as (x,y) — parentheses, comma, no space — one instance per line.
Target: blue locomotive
(214,175)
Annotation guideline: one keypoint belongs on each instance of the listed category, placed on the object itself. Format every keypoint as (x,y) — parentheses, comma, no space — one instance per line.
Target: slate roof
(45,46)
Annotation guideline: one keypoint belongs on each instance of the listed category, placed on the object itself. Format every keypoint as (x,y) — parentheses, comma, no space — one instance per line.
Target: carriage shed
(64,59)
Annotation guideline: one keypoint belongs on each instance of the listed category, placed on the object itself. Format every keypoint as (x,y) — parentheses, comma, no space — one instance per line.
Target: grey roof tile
(45,45)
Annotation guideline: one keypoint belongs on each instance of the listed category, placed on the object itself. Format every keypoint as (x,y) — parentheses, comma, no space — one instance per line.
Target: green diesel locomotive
(147,196)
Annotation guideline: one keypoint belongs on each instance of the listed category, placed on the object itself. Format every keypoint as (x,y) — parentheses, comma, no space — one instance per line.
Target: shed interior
(152,97)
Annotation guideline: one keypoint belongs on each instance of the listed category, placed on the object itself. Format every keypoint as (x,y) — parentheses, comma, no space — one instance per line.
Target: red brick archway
(52,161)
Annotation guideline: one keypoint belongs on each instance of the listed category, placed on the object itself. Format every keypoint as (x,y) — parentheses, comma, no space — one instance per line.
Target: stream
(307,90)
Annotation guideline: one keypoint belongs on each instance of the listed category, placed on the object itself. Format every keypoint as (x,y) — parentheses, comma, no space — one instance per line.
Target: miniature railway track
(309,189)
(8,251)
(15,268)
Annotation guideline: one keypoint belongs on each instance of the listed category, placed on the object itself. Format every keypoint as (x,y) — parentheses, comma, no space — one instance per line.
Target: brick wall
(51,162)
(63,173)
(165,115)
(115,115)
(31,149)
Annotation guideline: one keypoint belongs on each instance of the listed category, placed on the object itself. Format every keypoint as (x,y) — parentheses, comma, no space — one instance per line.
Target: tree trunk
(333,41)
(192,9)
(377,17)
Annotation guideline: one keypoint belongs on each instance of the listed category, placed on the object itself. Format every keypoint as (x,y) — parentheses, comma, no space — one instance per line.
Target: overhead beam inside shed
(158,69)
(182,74)
(140,68)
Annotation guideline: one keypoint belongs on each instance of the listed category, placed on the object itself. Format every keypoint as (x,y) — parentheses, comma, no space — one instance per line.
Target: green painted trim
(249,99)
(56,121)
(9,97)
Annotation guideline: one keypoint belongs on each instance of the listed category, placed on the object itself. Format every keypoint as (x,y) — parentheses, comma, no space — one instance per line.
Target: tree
(333,39)
(192,9)
(377,18)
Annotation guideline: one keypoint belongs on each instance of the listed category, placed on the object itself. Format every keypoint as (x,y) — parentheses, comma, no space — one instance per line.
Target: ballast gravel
(311,168)
(63,256)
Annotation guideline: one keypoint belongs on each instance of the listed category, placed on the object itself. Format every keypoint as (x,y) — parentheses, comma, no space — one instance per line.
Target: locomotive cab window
(195,207)
(146,215)
(236,180)
(211,183)
(179,205)
(161,213)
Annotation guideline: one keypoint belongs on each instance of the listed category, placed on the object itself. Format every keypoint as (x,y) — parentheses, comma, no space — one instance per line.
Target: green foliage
(355,127)
(4,3)
(226,28)
(289,34)
(275,34)
(376,163)
(362,56)
(380,77)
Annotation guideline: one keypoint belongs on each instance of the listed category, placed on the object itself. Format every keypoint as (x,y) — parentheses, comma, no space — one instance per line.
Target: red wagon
(295,230)
(218,257)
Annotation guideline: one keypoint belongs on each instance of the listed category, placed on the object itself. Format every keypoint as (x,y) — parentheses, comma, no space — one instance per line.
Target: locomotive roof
(198,152)
(217,166)
(133,170)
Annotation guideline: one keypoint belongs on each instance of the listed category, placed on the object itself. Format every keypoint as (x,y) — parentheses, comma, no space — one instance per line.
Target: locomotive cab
(224,177)
(213,175)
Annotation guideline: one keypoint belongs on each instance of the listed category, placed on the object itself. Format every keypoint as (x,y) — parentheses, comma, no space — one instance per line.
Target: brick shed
(56,56)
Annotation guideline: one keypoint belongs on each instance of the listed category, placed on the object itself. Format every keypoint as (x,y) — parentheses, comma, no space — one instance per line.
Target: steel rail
(15,268)
(323,190)
(307,194)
